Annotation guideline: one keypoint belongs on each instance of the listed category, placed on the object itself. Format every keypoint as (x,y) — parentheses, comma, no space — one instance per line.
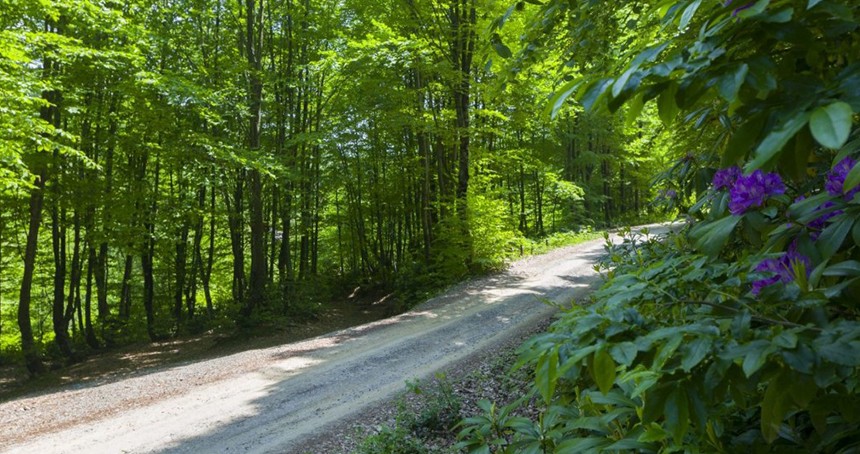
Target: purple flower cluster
(817,224)
(725,178)
(836,178)
(783,269)
(752,190)
(667,194)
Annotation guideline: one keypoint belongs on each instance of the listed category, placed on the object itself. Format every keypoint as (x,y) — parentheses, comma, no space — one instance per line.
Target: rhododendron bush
(739,332)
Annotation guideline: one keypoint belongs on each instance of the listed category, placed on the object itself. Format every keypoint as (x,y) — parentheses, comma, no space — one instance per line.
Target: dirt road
(270,400)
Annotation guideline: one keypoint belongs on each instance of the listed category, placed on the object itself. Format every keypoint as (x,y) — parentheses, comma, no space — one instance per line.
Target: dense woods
(171,165)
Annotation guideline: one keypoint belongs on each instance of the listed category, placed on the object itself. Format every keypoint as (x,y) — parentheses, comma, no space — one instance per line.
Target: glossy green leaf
(582,445)
(546,374)
(851,180)
(666,106)
(624,353)
(845,268)
(833,236)
(776,140)
(603,370)
(677,413)
(831,124)
(756,357)
(755,9)
(634,108)
(774,406)
(595,93)
(730,83)
(742,140)
(688,14)
(695,352)
(556,102)
(503,50)
(711,237)
(654,432)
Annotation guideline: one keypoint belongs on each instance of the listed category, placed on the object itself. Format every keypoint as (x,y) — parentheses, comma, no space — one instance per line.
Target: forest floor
(217,395)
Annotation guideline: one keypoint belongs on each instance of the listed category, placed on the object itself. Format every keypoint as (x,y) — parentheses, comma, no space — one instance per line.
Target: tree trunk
(32,356)
(58,312)
(89,331)
(147,255)
(253,52)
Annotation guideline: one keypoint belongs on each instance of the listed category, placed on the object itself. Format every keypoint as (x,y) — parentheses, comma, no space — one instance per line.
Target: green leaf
(776,140)
(582,445)
(775,406)
(619,84)
(851,180)
(730,83)
(710,237)
(503,50)
(855,233)
(841,352)
(833,236)
(754,10)
(666,105)
(742,141)
(831,124)
(756,357)
(677,413)
(634,108)
(811,4)
(595,92)
(654,432)
(846,268)
(695,352)
(624,353)
(785,339)
(546,374)
(603,370)
(688,14)
(556,101)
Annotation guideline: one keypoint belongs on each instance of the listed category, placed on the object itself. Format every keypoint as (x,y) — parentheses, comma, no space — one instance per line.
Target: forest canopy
(167,166)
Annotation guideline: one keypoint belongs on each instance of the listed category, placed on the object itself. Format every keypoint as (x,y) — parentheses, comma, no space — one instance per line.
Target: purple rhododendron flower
(819,222)
(752,190)
(836,178)
(783,269)
(726,178)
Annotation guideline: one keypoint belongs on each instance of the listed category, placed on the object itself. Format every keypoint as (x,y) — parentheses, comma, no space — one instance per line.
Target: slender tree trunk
(236,220)
(148,253)
(89,331)
(253,51)
(58,312)
(125,291)
(32,356)
(210,258)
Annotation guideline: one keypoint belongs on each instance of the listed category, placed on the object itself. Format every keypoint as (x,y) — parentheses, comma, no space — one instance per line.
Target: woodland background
(169,166)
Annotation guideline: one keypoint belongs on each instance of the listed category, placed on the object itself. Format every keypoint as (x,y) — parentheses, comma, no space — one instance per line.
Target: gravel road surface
(274,399)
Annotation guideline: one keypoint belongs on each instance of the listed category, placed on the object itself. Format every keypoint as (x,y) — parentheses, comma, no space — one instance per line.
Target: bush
(740,333)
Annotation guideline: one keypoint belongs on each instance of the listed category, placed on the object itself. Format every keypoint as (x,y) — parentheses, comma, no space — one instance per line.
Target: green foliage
(439,413)
(740,332)
(392,441)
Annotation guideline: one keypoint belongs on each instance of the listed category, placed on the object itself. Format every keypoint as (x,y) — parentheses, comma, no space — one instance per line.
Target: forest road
(270,400)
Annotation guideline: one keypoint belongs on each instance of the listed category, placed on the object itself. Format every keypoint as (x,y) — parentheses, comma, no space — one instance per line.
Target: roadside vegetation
(739,332)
